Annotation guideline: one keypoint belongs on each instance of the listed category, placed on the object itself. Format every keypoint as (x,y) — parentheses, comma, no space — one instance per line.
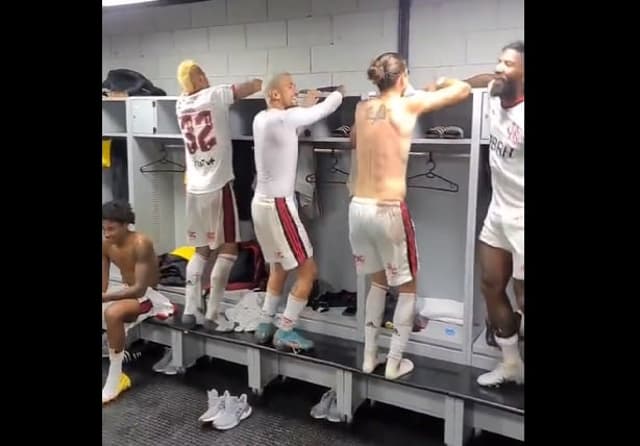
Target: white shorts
(505,230)
(152,304)
(383,238)
(280,232)
(212,218)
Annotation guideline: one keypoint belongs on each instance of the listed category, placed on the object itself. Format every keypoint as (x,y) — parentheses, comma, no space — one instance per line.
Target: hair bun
(375,73)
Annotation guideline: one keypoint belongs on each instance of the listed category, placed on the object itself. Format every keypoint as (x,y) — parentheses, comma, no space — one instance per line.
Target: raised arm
(105,269)
(145,259)
(303,116)
(241,91)
(480,80)
(450,92)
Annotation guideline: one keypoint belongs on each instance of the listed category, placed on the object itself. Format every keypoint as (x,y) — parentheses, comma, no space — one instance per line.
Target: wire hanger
(431,166)
(311,178)
(164,161)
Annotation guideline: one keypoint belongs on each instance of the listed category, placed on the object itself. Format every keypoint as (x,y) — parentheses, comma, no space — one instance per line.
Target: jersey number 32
(198,131)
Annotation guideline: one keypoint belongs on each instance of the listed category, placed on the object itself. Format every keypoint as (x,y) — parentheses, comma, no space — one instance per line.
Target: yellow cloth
(106,153)
(186,252)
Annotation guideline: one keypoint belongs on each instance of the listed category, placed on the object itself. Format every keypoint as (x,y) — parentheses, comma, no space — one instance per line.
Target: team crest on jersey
(516,135)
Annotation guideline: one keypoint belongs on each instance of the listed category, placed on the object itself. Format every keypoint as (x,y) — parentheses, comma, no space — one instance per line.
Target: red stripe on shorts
(410,235)
(291,232)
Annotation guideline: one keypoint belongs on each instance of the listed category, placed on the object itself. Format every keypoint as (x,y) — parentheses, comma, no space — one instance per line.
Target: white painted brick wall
(157,44)
(266,35)
(205,14)
(460,38)
(359,27)
(227,38)
(246,11)
(293,60)
(309,32)
(321,42)
(248,62)
(191,40)
(170,18)
(288,9)
(333,7)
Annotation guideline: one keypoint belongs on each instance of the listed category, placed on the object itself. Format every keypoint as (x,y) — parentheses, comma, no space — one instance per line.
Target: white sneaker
(321,410)
(235,410)
(216,406)
(160,366)
(512,372)
(334,415)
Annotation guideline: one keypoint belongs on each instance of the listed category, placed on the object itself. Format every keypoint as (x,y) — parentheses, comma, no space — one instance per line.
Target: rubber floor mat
(162,410)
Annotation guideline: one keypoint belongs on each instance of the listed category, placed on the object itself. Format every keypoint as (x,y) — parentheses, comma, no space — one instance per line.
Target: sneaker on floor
(334,415)
(513,372)
(321,410)
(235,410)
(160,366)
(216,406)
(291,340)
(264,333)
(131,356)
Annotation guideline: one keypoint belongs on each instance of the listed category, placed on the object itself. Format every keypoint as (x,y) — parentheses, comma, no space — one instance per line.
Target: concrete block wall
(321,41)
(460,38)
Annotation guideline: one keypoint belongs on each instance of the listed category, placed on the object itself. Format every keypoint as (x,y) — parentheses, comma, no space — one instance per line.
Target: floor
(163,410)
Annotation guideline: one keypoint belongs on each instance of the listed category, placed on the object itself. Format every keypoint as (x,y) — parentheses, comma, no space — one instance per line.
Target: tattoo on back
(380,114)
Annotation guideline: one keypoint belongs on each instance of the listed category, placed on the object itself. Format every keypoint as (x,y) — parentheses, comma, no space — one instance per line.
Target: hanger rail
(168,166)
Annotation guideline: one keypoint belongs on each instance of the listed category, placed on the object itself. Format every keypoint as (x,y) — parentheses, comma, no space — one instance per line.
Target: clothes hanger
(164,161)
(429,173)
(311,178)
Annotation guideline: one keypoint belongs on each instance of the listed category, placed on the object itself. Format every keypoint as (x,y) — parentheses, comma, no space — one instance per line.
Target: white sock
(193,288)
(292,312)
(219,278)
(509,347)
(113,377)
(402,324)
(269,307)
(373,313)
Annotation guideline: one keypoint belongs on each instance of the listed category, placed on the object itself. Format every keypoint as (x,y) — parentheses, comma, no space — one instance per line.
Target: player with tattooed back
(381,231)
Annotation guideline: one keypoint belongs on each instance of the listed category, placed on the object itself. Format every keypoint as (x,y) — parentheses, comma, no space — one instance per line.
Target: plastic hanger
(431,166)
(164,161)
(311,178)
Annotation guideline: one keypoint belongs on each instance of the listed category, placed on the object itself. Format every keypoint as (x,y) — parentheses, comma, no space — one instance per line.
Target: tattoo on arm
(380,114)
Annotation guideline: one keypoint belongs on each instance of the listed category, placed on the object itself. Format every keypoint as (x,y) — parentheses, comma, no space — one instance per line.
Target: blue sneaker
(291,340)
(264,333)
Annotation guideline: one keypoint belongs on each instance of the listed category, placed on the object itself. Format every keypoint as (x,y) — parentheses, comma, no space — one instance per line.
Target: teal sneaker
(264,332)
(291,340)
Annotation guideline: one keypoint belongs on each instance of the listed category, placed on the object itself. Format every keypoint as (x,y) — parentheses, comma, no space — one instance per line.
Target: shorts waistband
(377,202)
(263,197)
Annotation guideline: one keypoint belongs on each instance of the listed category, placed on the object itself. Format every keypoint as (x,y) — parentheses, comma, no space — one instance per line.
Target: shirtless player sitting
(133,253)
(381,231)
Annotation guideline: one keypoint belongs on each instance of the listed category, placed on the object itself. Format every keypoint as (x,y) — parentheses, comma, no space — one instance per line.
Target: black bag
(131,82)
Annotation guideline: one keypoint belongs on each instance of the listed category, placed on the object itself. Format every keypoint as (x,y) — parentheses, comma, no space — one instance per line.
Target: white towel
(246,313)
(444,310)
(161,307)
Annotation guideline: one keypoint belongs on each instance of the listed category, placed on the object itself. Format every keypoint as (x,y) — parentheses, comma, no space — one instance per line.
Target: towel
(161,307)
(448,311)
(247,313)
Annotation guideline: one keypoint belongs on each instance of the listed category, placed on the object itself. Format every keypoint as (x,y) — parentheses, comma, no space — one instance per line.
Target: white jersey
(506,147)
(275,140)
(204,123)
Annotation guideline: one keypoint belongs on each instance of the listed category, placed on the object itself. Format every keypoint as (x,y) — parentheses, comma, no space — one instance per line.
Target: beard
(504,89)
